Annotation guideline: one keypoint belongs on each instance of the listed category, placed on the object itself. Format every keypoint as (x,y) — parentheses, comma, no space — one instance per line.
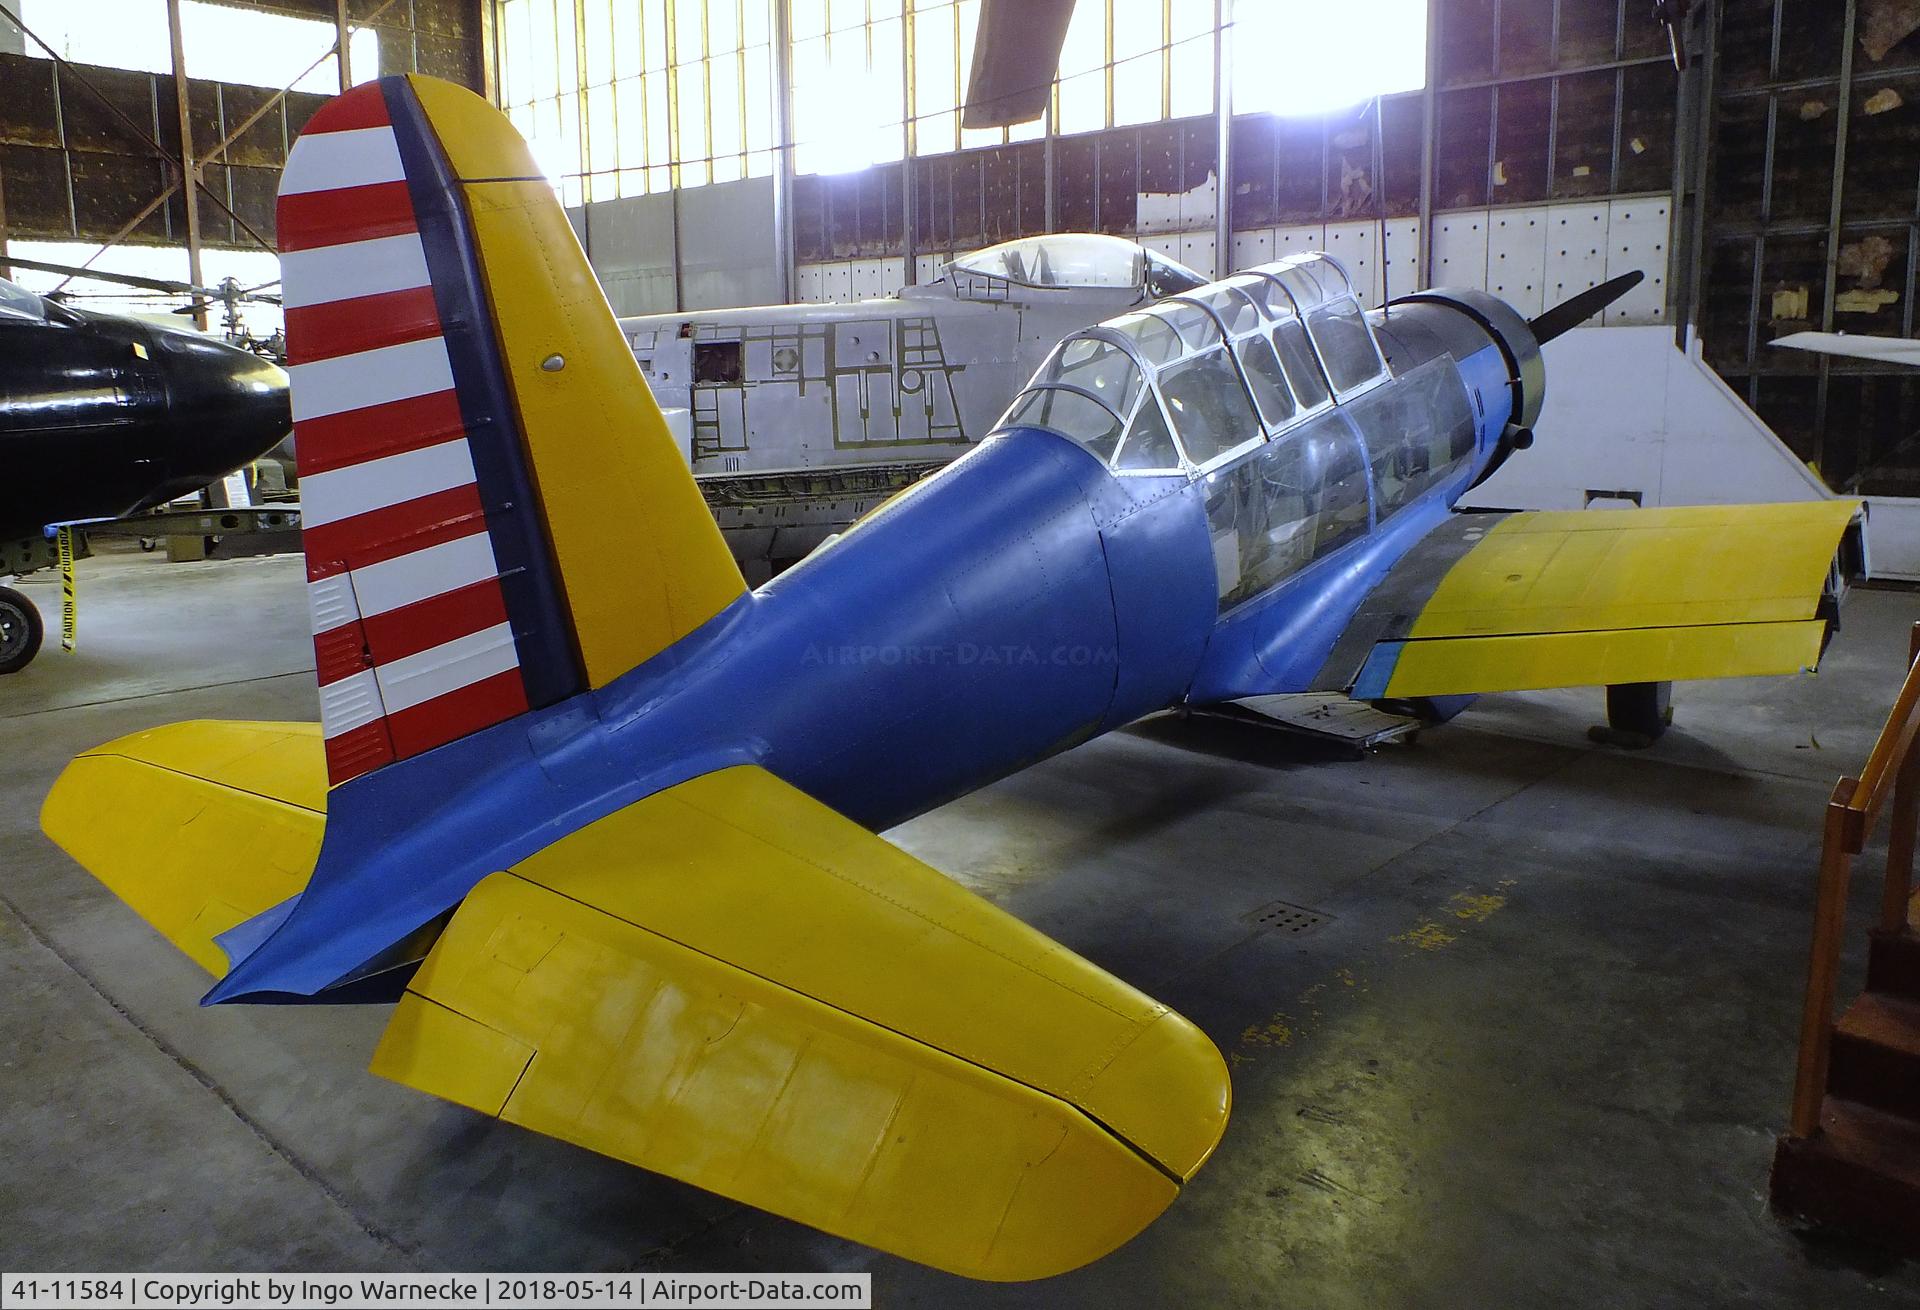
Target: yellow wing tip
(1173,1080)
(214,822)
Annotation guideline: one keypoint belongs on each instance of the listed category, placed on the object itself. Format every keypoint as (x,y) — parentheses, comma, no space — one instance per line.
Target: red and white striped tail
(411,632)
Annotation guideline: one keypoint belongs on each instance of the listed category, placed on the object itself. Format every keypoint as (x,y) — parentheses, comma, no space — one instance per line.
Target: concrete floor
(1536,1052)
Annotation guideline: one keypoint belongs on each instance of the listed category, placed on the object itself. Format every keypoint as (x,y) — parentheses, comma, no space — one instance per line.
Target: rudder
(496,517)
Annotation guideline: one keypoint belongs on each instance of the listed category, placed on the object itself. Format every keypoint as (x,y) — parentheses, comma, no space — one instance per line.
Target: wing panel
(933,961)
(1462,665)
(690,1066)
(730,984)
(1593,571)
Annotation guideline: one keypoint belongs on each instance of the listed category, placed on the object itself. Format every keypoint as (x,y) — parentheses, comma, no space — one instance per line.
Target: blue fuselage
(1021,601)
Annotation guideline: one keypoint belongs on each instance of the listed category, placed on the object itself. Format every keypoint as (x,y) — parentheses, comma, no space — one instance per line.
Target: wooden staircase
(1851,1160)
(1859,1171)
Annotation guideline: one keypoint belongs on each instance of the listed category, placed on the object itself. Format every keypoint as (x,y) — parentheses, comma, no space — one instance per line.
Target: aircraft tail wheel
(20,631)
(1637,714)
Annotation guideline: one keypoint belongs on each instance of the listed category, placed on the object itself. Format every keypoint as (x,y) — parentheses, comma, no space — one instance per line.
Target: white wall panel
(1893,537)
(836,280)
(1460,249)
(1356,246)
(1637,235)
(1156,211)
(1250,248)
(1401,272)
(865,278)
(1197,253)
(1198,207)
(1517,257)
(1166,245)
(1677,436)
(1292,240)
(1576,250)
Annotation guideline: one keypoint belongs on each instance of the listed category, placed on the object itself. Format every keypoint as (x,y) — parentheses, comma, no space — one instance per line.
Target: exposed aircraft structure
(599,820)
(801,418)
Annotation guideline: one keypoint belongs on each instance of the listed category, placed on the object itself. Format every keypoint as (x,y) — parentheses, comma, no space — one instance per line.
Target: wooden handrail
(1892,771)
(1890,753)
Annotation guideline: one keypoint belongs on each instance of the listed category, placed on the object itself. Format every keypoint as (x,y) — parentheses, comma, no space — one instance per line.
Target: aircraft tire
(20,631)
(1637,713)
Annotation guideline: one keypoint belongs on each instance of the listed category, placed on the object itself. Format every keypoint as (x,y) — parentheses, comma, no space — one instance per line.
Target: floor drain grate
(1282,917)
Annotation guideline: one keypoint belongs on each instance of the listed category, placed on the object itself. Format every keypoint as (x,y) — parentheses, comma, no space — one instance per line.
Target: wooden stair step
(1876,1054)
(1893,963)
(1860,1173)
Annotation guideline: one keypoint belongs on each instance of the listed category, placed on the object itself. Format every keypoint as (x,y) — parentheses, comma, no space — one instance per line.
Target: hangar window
(221,42)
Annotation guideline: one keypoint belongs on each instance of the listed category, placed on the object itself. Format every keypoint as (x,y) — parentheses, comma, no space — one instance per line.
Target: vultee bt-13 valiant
(599,821)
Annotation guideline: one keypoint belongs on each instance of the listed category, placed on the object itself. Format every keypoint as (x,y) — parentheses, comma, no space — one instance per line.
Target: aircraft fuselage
(101,416)
(1023,600)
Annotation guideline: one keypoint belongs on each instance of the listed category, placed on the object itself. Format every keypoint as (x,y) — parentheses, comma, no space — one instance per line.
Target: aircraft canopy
(1077,261)
(18,302)
(1202,377)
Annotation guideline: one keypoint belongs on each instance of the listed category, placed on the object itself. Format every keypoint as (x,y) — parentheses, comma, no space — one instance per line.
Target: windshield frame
(1227,342)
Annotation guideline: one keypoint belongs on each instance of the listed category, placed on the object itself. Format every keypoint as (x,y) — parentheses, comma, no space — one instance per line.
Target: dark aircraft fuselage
(102,415)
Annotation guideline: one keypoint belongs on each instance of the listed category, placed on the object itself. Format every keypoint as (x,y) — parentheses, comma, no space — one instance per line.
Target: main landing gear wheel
(20,631)
(1637,714)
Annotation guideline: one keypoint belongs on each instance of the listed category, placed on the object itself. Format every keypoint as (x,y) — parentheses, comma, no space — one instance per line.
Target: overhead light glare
(1305,58)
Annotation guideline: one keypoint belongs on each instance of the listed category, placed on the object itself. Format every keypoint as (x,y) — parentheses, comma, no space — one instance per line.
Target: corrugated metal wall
(71,169)
(1813,222)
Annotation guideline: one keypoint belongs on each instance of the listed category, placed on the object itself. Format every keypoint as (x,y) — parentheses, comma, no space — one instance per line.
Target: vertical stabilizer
(496,517)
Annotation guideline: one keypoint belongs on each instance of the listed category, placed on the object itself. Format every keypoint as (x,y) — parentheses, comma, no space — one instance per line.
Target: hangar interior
(1515,996)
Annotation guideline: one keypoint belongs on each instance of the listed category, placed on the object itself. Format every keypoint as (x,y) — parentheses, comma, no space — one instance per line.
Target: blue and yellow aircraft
(600,821)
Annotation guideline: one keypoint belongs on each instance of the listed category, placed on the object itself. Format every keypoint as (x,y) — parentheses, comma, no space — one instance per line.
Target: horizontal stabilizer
(729,983)
(198,826)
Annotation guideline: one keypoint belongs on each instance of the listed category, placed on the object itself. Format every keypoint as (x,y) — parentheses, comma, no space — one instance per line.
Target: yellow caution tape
(69,609)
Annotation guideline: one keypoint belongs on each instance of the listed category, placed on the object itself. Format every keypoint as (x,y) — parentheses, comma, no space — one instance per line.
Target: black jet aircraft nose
(226,406)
